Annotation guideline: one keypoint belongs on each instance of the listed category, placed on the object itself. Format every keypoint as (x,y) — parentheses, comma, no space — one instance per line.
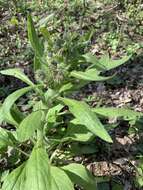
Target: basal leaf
(89,75)
(60,180)
(87,118)
(16,179)
(28,126)
(8,103)
(38,175)
(18,74)
(34,174)
(81,176)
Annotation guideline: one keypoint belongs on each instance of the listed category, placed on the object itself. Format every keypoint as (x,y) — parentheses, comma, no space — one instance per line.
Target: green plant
(42,139)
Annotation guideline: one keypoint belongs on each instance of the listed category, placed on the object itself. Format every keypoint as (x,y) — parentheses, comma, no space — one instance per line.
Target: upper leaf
(87,118)
(29,125)
(81,176)
(105,63)
(109,64)
(89,75)
(8,103)
(35,42)
(60,180)
(18,74)
(33,37)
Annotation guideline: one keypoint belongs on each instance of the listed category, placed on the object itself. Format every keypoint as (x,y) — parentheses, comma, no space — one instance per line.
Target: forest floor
(119,160)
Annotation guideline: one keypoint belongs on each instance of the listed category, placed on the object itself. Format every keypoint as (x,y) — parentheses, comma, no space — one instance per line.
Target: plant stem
(55,152)
(22,151)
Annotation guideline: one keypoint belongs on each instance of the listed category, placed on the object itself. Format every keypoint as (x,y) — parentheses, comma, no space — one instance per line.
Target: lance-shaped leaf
(78,133)
(105,63)
(18,74)
(28,126)
(38,175)
(81,176)
(35,42)
(52,113)
(16,179)
(34,174)
(89,75)
(4,138)
(86,117)
(90,58)
(109,63)
(8,103)
(60,180)
(117,112)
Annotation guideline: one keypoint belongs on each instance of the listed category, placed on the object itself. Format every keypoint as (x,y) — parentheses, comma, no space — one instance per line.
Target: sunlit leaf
(60,180)
(81,176)
(87,118)
(89,75)
(18,74)
(8,103)
(28,126)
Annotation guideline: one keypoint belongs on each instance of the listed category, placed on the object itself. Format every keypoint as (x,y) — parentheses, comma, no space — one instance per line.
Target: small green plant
(41,139)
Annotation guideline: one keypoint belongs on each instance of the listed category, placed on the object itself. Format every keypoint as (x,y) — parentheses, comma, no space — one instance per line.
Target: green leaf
(81,176)
(60,180)
(87,118)
(105,63)
(109,64)
(18,74)
(8,103)
(89,57)
(28,126)
(89,75)
(117,112)
(35,42)
(78,133)
(1,115)
(38,175)
(34,174)
(4,138)
(16,179)
(66,87)
(52,113)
